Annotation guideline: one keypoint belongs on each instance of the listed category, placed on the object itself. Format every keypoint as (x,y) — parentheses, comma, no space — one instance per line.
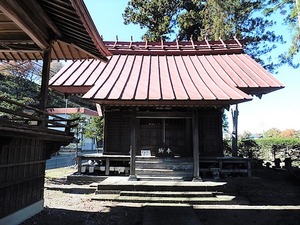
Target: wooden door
(165,133)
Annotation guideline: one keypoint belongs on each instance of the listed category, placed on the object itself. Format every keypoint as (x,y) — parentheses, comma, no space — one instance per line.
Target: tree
(246,135)
(214,18)
(273,132)
(92,128)
(157,16)
(27,69)
(95,129)
(291,10)
(225,123)
(289,133)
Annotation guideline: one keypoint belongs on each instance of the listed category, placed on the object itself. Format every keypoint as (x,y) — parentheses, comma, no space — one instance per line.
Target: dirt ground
(274,199)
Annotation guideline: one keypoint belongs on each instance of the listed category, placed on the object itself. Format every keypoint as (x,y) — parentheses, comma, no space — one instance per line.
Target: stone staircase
(164,168)
(166,192)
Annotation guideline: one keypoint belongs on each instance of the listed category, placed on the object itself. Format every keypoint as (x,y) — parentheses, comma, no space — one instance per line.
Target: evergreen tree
(212,18)
(291,10)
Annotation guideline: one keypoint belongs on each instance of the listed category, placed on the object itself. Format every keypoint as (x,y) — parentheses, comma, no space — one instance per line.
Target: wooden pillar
(132,175)
(196,145)
(45,83)
(235,114)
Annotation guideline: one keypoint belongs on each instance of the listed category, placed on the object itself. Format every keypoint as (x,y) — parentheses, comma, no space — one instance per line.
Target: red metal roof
(213,73)
(80,110)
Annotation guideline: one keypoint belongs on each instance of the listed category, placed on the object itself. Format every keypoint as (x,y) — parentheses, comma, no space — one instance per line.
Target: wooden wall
(210,132)
(117,132)
(177,135)
(22,172)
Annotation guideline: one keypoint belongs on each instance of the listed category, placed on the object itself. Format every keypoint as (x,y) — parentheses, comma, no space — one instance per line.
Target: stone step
(164,178)
(175,194)
(218,199)
(117,183)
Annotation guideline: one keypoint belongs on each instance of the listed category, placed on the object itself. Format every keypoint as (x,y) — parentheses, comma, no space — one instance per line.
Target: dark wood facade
(163,128)
(22,171)
(27,139)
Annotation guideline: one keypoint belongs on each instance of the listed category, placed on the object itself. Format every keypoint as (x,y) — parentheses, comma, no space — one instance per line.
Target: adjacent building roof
(80,110)
(176,73)
(30,27)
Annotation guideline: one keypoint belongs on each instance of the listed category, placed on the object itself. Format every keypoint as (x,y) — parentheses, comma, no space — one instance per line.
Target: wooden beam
(15,11)
(42,16)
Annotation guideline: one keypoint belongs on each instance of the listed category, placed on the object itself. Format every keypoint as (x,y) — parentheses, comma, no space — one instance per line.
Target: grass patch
(60,172)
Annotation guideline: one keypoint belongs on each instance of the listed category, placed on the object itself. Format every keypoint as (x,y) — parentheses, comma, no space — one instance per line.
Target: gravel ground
(274,199)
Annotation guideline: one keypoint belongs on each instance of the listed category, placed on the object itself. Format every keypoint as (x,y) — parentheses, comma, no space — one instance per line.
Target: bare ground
(274,199)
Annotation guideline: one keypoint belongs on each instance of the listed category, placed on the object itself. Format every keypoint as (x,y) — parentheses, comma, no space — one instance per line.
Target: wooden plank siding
(22,171)
(210,132)
(117,128)
(164,129)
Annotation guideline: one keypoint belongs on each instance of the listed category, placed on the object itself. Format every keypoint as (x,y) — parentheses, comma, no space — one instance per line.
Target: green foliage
(267,148)
(249,148)
(290,9)
(225,123)
(279,147)
(157,16)
(95,129)
(92,128)
(269,142)
(18,89)
(194,19)
(24,91)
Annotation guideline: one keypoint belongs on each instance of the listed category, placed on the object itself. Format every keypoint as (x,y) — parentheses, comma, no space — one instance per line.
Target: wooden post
(235,114)
(132,175)
(79,163)
(45,84)
(196,145)
(107,165)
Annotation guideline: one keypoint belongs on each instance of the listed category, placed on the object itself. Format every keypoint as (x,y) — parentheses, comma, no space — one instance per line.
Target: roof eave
(87,21)
(259,91)
(172,103)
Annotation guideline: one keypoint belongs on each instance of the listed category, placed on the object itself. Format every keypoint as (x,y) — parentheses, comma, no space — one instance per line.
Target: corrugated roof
(32,26)
(210,74)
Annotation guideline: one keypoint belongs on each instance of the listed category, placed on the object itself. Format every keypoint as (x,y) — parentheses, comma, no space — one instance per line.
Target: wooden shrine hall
(37,30)
(166,99)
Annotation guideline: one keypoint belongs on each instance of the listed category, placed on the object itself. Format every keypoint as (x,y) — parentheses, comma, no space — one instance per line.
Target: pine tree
(213,19)
(290,9)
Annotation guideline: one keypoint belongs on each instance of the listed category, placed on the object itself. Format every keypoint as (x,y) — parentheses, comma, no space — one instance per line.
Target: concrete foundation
(23,214)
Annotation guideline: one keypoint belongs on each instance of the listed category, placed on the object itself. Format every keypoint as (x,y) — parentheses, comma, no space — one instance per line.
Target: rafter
(22,18)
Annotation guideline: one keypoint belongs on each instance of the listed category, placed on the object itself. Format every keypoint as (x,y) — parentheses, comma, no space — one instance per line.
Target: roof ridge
(175,47)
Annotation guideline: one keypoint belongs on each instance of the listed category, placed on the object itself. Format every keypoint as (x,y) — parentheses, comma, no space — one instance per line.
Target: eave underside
(30,27)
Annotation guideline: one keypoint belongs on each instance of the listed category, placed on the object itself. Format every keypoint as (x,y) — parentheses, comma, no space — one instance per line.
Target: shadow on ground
(109,216)
(248,216)
(120,215)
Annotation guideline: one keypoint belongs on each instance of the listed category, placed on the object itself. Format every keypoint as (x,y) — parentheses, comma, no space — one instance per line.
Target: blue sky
(280,109)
